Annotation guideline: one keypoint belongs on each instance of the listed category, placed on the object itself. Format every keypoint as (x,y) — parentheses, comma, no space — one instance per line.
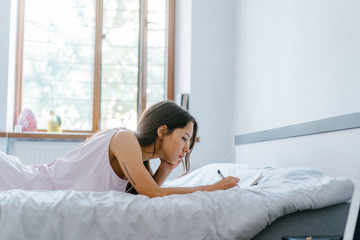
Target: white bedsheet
(238,213)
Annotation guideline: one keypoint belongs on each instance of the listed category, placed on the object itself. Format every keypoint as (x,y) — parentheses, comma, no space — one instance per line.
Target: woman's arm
(127,151)
(164,171)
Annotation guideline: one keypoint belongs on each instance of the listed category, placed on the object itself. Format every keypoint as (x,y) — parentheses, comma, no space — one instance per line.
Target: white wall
(213,45)
(298,61)
(3,145)
(7,62)
(335,153)
(182,48)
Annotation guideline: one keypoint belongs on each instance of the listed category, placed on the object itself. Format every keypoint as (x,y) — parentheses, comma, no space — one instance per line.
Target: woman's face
(175,145)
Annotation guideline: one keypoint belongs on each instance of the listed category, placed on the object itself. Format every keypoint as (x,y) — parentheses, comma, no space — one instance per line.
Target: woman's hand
(169,166)
(225,183)
(163,171)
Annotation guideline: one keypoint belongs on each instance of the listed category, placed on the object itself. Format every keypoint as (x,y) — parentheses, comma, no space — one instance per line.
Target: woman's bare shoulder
(124,133)
(124,137)
(125,147)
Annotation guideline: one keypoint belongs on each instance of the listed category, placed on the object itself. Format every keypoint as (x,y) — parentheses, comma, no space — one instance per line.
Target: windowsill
(46,135)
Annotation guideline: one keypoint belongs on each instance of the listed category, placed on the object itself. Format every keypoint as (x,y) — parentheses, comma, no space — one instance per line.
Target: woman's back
(86,168)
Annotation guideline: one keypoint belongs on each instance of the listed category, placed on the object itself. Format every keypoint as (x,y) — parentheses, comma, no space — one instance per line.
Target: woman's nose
(186,147)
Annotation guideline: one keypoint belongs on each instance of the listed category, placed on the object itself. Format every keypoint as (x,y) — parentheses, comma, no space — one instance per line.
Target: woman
(115,158)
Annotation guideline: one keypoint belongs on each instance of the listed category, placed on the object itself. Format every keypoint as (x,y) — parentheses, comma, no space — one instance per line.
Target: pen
(222,176)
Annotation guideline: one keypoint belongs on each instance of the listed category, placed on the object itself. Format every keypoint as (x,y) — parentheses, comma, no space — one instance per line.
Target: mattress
(328,221)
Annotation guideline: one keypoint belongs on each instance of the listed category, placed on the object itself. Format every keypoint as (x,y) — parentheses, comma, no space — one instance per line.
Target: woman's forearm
(157,191)
(161,174)
(182,190)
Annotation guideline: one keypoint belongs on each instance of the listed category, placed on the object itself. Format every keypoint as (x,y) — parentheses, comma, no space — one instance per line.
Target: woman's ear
(161,131)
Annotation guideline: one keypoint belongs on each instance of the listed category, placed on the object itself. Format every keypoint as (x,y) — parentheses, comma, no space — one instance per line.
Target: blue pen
(222,176)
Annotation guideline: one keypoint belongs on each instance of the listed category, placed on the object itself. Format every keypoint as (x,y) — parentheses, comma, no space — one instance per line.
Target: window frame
(141,105)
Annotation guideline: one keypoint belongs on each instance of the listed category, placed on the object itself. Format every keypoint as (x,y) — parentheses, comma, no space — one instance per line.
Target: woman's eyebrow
(188,135)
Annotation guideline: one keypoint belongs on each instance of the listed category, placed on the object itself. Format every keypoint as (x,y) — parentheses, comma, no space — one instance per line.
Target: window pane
(120,51)
(58,61)
(156,43)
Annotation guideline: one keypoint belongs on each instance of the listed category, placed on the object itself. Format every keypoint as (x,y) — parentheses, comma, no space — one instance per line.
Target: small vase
(54,123)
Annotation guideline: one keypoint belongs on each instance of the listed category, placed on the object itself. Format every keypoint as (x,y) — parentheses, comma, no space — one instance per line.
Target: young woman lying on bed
(118,159)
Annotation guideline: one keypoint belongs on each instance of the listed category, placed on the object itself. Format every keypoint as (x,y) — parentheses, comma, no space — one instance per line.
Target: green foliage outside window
(58,61)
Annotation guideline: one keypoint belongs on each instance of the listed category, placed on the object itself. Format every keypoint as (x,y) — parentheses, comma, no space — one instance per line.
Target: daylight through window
(95,63)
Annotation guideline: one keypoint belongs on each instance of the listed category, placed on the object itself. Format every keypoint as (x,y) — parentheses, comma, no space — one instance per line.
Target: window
(97,63)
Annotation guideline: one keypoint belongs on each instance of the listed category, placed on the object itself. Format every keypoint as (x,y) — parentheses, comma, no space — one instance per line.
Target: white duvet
(238,213)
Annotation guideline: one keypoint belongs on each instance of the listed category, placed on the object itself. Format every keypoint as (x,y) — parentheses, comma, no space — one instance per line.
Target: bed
(328,221)
(243,212)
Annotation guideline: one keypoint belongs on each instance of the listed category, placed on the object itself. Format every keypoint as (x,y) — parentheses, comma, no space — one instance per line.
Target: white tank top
(87,168)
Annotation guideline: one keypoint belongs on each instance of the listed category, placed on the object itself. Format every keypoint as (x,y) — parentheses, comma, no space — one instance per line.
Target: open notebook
(251,181)
(352,229)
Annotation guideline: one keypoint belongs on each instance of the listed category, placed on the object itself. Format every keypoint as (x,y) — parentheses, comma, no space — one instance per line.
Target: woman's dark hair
(164,113)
